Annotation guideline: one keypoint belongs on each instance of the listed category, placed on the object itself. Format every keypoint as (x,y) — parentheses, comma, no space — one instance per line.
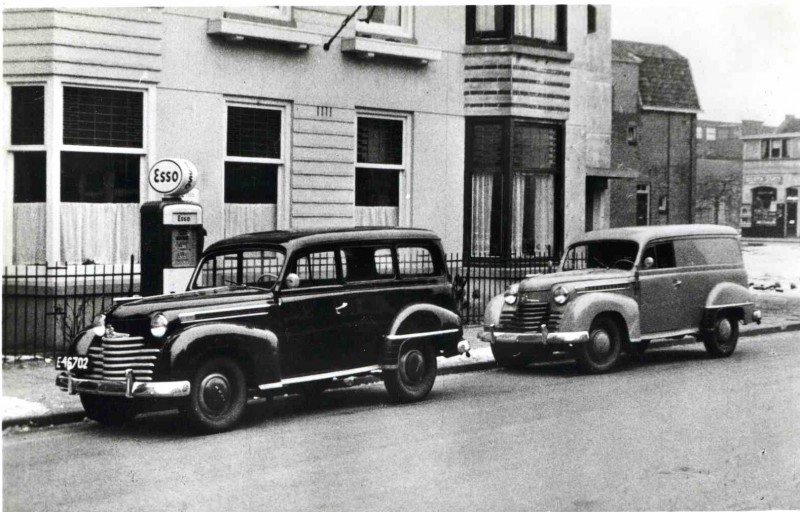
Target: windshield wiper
(600,263)
(242,285)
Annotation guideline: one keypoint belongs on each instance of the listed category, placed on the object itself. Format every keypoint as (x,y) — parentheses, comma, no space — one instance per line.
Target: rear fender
(580,312)
(425,321)
(729,296)
(255,349)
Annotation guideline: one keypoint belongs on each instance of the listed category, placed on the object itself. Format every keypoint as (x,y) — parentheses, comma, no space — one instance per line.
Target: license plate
(72,363)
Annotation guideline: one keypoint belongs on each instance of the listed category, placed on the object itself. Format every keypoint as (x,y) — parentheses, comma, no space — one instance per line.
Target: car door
(659,290)
(314,327)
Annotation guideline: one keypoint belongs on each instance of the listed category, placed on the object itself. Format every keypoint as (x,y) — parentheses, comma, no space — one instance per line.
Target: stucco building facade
(476,122)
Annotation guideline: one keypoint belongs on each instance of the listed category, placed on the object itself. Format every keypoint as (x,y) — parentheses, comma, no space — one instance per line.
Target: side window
(662,253)
(261,268)
(415,261)
(707,251)
(316,269)
(366,263)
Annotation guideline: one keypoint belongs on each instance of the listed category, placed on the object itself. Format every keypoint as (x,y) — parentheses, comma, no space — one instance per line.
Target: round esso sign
(173,176)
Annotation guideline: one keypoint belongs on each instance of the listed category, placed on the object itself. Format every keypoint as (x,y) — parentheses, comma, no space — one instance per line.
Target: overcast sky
(745,56)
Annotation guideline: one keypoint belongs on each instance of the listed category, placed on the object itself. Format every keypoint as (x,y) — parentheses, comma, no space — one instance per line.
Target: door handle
(676,282)
(340,308)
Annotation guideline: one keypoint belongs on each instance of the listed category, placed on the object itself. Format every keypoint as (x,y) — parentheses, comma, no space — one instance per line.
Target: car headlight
(158,325)
(99,325)
(560,295)
(511,294)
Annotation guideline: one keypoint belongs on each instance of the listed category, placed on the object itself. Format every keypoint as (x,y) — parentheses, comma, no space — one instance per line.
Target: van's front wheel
(601,352)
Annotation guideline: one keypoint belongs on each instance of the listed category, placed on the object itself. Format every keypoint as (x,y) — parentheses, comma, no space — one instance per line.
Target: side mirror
(648,263)
(292,281)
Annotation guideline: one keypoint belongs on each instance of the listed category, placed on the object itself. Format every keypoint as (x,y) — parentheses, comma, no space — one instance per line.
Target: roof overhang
(790,135)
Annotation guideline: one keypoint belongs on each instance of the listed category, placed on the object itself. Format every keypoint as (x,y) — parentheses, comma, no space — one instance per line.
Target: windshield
(604,254)
(257,268)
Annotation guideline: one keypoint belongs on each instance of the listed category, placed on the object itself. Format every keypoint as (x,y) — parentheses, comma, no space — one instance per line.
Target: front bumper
(128,388)
(544,337)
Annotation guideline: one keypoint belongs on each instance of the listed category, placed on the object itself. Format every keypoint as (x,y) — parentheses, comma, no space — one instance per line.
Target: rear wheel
(415,373)
(111,411)
(721,340)
(601,352)
(509,357)
(218,396)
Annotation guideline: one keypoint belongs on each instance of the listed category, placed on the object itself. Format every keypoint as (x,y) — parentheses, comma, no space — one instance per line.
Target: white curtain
(249,218)
(485,18)
(481,212)
(29,233)
(101,232)
(536,21)
(537,229)
(376,216)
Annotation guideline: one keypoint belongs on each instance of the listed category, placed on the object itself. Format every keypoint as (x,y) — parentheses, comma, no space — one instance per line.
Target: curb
(61,418)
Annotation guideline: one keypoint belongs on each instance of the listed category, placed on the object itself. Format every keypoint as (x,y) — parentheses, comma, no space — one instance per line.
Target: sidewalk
(30,396)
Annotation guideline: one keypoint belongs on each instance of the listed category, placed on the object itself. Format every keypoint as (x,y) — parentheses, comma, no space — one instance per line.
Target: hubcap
(215,394)
(724,330)
(601,343)
(412,366)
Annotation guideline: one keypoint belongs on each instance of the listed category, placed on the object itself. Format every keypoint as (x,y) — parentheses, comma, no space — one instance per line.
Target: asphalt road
(675,431)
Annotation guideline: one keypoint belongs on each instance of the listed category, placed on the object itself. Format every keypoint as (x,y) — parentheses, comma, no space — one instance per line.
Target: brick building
(718,189)
(655,108)
(488,124)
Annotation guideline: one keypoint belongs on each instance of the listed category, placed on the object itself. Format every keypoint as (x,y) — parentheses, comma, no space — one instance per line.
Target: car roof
(296,239)
(643,234)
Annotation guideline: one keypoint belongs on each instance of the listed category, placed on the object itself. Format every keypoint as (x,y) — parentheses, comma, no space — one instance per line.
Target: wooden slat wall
(323,175)
(122,43)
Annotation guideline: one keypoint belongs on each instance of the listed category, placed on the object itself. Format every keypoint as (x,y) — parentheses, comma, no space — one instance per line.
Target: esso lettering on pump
(173,176)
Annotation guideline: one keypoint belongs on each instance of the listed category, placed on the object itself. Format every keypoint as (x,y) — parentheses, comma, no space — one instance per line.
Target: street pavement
(675,431)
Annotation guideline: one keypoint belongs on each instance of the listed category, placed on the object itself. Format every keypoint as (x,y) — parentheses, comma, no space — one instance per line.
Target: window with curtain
(379,168)
(252,162)
(537,25)
(103,146)
(30,169)
(386,20)
(514,195)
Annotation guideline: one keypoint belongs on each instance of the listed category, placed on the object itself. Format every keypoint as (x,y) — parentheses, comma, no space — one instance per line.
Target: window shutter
(102,117)
(380,141)
(487,148)
(254,132)
(535,148)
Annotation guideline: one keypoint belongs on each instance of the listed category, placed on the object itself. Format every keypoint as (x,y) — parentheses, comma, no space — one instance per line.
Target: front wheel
(218,396)
(601,352)
(722,339)
(413,378)
(110,411)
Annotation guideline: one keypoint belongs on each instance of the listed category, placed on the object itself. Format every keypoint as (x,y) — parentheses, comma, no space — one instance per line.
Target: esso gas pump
(172,229)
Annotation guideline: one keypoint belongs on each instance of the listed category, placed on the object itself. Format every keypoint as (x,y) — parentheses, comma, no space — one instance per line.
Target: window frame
(773,144)
(507,164)
(282,13)
(403,31)
(12,149)
(404,168)
(282,163)
(591,19)
(711,133)
(507,36)
(632,134)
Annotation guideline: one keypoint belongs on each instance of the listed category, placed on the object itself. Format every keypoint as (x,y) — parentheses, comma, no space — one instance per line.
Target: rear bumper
(544,337)
(128,388)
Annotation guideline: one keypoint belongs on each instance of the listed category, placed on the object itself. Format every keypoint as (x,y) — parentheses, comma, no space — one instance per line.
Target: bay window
(536,25)
(380,168)
(514,176)
(253,161)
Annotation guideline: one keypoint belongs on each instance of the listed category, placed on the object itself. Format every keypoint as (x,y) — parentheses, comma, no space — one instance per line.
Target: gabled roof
(665,78)
(789,125)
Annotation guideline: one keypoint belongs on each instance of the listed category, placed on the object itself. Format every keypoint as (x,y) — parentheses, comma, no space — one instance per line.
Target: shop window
(99,178)
(30,169)
(379,170)
(764,207)
(387,20)
(513,200)
(591,19)
(537,25)
(27,115)
(774,148)
(103,117)
(253,162)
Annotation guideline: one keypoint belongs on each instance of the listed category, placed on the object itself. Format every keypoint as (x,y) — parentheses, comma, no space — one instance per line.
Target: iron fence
(45,306)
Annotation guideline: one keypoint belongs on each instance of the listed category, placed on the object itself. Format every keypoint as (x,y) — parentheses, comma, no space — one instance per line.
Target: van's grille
(115,355)
(529,316)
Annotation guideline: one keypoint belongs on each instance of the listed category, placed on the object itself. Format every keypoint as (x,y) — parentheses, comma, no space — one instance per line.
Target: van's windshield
(259,268)
(603,254)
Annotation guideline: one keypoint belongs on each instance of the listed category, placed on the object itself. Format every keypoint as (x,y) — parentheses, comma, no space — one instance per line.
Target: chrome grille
(529,316)
(119,353)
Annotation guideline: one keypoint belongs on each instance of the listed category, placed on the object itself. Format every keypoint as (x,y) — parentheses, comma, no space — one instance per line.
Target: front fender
(580,312)
(255,349)
(422,320)
(729,295)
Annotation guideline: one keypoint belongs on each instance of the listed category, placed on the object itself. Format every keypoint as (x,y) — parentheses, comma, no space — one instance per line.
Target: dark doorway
(642,205)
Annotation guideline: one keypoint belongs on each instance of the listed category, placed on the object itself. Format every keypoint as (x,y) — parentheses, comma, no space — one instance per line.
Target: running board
(318,376)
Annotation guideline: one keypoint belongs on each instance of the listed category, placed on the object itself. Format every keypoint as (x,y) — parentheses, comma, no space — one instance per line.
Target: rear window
(692,252)
(415,261)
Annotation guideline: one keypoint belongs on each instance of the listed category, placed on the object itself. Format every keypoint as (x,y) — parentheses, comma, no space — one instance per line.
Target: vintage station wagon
(618,289)
(274,312)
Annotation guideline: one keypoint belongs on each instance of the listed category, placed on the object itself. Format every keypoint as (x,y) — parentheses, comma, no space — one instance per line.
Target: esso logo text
(173,176)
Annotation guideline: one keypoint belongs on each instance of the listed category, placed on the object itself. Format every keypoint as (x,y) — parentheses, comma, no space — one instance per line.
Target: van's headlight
(511,294)
(560,295)
(99,325)
(158,325)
